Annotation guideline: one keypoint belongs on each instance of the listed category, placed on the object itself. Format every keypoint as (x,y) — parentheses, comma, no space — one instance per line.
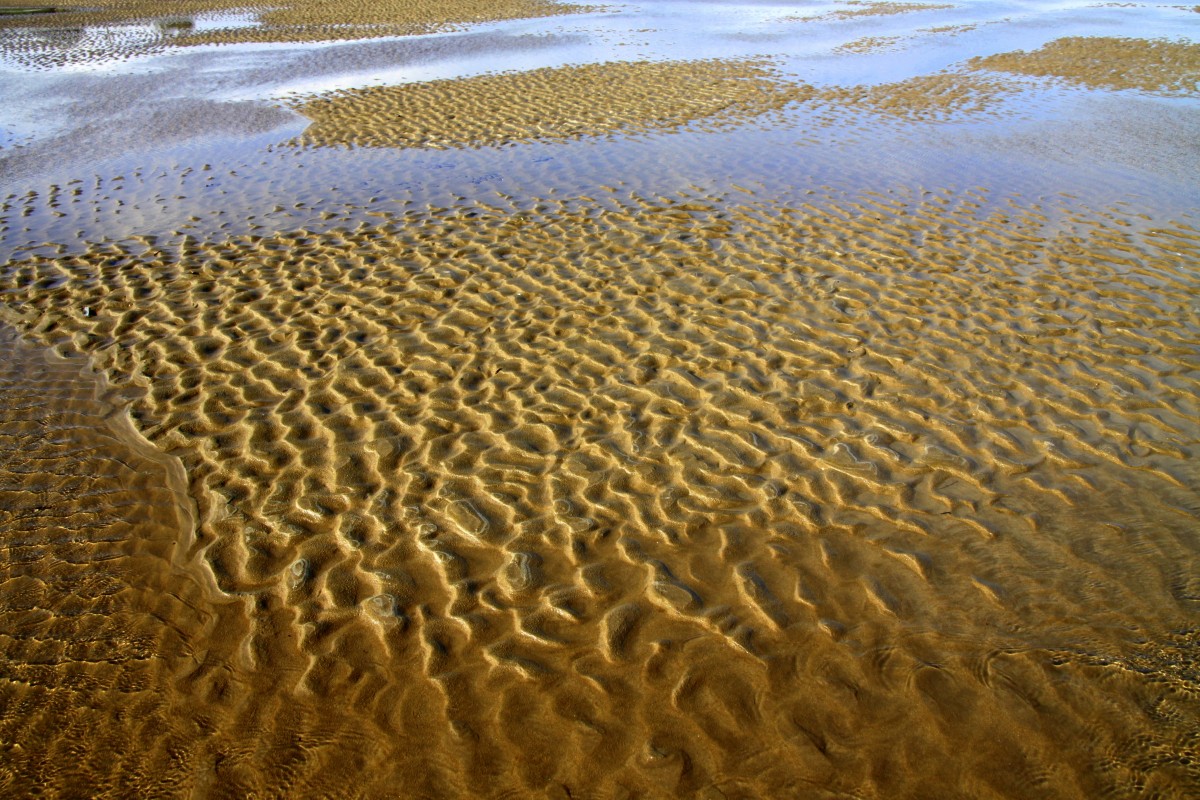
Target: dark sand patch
(99,609)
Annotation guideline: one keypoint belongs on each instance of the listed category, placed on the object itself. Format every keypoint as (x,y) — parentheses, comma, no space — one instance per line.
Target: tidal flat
(668,398)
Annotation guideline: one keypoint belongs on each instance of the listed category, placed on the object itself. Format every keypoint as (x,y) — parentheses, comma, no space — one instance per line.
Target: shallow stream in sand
(663,399)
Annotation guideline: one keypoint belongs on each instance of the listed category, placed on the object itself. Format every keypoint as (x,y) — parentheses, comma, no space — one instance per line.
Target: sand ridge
(590,474)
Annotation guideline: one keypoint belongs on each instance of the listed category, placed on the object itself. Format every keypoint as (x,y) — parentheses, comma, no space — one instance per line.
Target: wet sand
(549,105)
(1161,66)
(636,475)
(300,20)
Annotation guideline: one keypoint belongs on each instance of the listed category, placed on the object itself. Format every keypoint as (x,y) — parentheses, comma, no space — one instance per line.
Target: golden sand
(1097,62)
(663,495)
(871,44)
(291,20)
(883,44)
(563,103)
(886,494)
(552,104)
(51,41)
(952,30)
(857,9)
(324,20)
(925,98)
(99,619)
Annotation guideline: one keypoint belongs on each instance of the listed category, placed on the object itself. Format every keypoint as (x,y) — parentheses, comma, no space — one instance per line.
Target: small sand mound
(857,9)
(871,44)
(925,98)
(1104,62)
(551,104)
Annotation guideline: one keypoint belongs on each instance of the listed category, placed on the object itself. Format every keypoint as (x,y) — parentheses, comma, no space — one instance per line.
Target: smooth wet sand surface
(698,434)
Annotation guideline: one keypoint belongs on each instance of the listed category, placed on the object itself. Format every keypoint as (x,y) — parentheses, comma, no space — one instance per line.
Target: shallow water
(843,445)
(203,127)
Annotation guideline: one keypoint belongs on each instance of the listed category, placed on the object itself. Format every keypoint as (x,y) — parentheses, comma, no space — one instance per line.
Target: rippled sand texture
(925,98)
(889,496)
(553,104)
(865,8)
(547,487)
(40,39)
(1160,66)
(559,104)
(92,614)
(325,20)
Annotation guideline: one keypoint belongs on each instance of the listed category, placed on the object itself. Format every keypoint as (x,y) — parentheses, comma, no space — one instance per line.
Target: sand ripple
(858,9)
(1104,62)
(666,495)
(563,103)
(102,620)
(552,104)
(108,30)
(926,98)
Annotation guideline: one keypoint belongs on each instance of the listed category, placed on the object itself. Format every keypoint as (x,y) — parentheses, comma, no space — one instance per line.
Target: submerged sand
(700,490)
(885,492)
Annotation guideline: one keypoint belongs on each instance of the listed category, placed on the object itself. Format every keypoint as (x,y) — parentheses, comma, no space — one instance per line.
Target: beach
(665,399)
